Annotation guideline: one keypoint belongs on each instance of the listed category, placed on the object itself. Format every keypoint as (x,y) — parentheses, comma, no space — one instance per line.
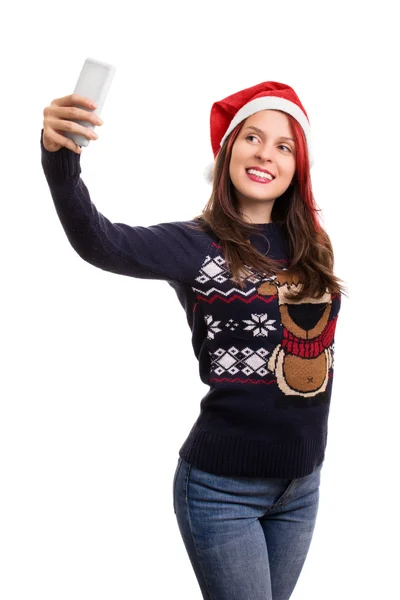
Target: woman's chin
(254,195)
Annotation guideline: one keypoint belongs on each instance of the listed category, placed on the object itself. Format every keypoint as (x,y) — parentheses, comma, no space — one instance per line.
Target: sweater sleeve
(167,251)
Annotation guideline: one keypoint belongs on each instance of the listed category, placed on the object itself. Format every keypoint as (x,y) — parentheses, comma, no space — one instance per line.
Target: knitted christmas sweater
(268,361)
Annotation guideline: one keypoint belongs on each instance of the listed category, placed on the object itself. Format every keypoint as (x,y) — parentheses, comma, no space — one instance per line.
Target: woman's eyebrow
(260,131)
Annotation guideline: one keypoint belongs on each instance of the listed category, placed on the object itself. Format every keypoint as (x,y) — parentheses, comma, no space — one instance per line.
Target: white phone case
(94,82)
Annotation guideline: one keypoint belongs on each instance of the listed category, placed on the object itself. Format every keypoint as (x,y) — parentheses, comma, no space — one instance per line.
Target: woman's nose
(265,152)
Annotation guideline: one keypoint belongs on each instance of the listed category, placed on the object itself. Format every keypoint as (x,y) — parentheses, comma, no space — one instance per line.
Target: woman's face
(260,147)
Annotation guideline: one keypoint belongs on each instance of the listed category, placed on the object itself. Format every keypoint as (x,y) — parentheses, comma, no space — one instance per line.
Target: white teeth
(260,174)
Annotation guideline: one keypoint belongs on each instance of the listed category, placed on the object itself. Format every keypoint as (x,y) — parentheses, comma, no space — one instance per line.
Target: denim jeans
(247,538)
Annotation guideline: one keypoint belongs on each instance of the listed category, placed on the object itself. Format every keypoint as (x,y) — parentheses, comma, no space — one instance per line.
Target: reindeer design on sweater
(302,361)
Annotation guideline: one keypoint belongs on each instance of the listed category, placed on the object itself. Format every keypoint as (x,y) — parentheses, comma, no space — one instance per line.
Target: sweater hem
(232,456)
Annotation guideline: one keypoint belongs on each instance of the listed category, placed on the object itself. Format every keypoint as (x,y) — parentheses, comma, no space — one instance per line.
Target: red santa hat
(229,112)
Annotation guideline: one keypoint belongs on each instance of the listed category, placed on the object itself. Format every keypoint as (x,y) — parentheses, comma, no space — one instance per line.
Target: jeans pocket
(174,482)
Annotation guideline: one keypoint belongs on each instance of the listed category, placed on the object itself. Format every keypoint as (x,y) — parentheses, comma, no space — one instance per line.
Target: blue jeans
(247,538)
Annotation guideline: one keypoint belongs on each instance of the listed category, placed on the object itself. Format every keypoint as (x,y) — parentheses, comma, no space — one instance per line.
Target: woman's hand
(55,122)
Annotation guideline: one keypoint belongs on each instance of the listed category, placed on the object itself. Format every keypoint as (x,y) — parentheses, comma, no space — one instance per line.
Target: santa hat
(229,112)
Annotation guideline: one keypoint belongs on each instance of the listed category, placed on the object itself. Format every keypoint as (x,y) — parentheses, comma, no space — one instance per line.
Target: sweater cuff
(60,165)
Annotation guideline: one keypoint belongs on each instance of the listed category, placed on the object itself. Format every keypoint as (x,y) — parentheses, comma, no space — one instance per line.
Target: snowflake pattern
(259,325)
(212,327)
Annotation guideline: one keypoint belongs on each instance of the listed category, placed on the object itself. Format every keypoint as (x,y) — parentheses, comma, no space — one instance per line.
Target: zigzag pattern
(218,296)
(214,270)
(227,293)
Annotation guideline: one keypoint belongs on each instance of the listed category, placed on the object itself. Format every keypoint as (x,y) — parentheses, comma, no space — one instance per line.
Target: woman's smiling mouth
(260,176)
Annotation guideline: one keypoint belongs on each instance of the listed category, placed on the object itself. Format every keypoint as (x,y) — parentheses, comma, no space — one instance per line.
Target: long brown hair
(310,248)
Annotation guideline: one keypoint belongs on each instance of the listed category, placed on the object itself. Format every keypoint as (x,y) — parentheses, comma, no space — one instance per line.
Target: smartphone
(93,82)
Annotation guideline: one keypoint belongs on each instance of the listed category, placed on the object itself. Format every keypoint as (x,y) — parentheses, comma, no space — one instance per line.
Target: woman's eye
(253,137)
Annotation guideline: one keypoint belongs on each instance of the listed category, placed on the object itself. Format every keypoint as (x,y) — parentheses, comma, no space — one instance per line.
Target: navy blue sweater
(268,361)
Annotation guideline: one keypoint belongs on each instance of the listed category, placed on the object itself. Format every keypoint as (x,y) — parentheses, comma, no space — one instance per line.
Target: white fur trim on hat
(209,172)
(272,103)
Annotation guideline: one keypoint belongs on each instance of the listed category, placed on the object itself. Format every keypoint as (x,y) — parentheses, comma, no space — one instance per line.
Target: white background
(91,419)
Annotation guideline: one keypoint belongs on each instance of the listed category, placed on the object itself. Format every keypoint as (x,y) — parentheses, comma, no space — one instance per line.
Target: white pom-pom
(208,172)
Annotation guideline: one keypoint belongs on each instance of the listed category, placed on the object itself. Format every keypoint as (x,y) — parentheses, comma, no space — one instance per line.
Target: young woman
(254,274)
